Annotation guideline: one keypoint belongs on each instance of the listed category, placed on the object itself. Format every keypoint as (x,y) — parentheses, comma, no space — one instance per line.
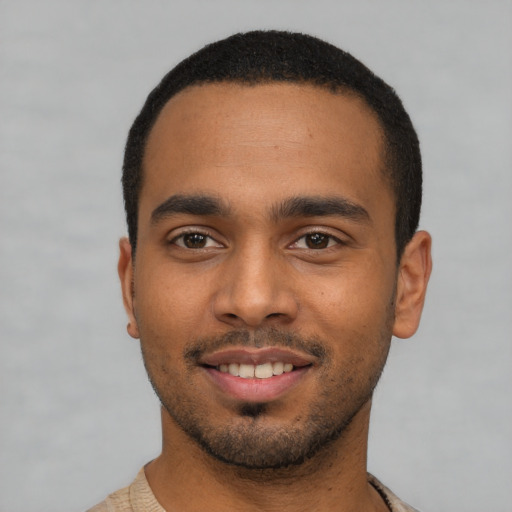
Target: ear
(125,269)
(413,275)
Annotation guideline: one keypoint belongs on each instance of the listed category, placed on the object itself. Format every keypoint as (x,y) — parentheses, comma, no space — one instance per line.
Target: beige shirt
(139,497)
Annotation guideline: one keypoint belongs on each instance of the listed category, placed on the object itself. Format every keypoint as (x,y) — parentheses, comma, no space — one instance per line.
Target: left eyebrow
(200,205)
(314,206)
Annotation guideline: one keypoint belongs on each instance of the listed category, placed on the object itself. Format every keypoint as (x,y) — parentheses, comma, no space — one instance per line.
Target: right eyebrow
(319,206)
(200,205)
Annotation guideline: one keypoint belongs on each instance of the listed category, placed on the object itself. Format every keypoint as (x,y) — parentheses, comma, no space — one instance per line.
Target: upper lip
(256,356)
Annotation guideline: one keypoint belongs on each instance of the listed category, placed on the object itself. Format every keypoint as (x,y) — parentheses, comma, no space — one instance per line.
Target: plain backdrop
(78,417)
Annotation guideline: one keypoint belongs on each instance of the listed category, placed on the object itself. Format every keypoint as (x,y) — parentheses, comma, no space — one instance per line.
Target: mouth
(260,371)
(260,375)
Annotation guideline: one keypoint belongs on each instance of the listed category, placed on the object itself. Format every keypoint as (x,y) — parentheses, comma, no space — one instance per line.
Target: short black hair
(276,56)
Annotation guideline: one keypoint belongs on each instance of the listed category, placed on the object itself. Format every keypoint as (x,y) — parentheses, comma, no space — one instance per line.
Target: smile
(260,371)
(256,375)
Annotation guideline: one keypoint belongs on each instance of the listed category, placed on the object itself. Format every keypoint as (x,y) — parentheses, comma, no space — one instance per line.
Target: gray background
(78,418)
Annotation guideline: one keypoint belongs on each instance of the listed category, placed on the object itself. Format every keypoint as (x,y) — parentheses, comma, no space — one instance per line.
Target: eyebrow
(319,206)
(199,205)
(300,206)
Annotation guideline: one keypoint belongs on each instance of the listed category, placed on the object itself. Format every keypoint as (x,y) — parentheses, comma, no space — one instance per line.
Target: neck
(334,479)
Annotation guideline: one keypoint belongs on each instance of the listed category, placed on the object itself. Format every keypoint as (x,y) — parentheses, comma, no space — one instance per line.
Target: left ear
(413,275)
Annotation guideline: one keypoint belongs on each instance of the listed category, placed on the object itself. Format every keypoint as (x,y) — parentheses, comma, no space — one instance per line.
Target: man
(272,187)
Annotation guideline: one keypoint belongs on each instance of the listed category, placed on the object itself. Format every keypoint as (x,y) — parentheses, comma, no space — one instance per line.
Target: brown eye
(194,240)
(317,241)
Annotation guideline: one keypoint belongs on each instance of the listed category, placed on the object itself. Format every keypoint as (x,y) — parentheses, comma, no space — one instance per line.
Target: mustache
(261,338)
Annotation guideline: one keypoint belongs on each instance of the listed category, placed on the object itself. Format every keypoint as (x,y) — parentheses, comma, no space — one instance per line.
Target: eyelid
(337,238)
(178,233)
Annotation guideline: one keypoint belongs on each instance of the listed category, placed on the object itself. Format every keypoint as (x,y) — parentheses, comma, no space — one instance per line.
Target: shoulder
(394,503)
(118,501)
(138,497)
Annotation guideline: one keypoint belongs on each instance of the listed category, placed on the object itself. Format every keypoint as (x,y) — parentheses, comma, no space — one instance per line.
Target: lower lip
(257,390)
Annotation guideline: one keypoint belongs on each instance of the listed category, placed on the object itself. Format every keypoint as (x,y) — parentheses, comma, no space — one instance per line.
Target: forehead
(270,138)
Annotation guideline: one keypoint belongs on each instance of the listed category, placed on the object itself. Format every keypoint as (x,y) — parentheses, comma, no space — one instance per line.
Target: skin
(252,149)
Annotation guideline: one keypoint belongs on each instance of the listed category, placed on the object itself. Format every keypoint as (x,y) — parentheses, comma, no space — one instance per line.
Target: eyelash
(203,233)
(331,240)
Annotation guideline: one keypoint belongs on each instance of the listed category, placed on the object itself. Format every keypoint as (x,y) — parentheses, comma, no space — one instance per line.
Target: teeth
(233,369)
(278,368)
(246,371)
(260,371)
(263,371)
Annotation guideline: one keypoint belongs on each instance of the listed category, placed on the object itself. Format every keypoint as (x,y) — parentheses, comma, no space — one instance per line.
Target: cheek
(163,289)
(165,307)
(353,310)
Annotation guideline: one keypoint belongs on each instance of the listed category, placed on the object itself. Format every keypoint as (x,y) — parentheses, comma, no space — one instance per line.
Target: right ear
(125,269)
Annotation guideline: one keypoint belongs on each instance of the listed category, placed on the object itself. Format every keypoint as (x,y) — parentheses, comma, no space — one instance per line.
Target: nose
(255,289)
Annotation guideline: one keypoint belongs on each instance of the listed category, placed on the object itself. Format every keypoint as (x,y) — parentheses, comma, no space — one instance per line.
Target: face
(264,285)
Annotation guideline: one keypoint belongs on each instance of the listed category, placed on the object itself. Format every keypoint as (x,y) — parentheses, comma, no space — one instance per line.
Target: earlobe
(413,276)
(125,270)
